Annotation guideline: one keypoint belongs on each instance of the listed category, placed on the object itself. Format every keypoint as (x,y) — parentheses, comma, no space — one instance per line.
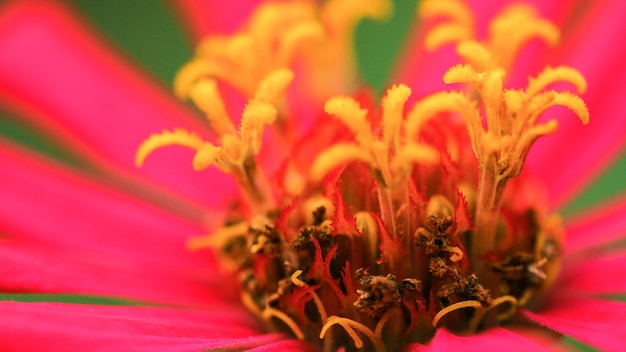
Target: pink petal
(46,206)
(74,88)
(595,227)
(493,339)
(64,327)
(27,268)
(214,16)
(596,322)
(576,154)
(291,345)
(603,275)
(70,210)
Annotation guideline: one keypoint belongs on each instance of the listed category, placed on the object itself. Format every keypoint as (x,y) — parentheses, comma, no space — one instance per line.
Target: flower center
(382,225)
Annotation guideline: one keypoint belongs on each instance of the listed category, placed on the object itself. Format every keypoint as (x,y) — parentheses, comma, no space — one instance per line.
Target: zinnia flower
(427,223)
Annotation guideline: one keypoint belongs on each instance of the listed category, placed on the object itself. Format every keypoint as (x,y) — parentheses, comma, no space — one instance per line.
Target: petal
(73,211)
(74,88)
(90,228)
(595,227)
(28,268)
(492,339)
(64,327)
(595,322)
(214,16)
(291,345)
(576,154)
(601,275)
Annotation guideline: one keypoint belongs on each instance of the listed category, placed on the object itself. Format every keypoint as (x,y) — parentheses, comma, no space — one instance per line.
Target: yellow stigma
(508,32)
(239,147)
(280,34)
(389,156)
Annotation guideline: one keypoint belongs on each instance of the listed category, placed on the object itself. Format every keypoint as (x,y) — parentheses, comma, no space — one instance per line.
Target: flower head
(356,223)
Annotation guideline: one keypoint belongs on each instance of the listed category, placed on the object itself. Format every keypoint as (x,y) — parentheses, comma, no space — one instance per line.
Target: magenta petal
(602,275)
(45,203)
(214,16)
(576,154)
(79,236)
(78,90)
(493,339)
(65,327)
(595,227)
(40,270)
(596,322)
(291,345)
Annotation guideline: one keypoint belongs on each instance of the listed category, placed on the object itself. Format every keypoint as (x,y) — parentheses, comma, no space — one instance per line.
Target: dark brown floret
(377,294)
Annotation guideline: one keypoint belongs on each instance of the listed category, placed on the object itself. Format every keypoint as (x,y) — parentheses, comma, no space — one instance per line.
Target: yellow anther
(438,103)
(393,112)
(455,11)
(514,27)
(219,238)
(206,156)
(558,74)
(207,98)
(301,38)
(351,114)
(446,34)
(457,28)
(461,74)
(413,153)
(255,117)
(273,85)
(508,32)
(476,54)
(342,15)
(165,139)
(337,155)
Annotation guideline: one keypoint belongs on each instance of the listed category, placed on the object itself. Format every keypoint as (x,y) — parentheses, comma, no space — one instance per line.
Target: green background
(151,36)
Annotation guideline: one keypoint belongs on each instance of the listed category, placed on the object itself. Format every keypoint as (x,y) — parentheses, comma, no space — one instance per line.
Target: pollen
(390,218)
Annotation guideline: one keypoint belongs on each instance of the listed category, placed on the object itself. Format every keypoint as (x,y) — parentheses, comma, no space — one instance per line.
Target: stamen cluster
(395,223)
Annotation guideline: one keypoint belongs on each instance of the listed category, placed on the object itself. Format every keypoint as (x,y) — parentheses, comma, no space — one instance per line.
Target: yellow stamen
(314,296)
(219,238)
(350,113)
(335,156)
(558,74)
(273,85)
(349,326)
(165,139)
(451,308)
(255,117)
(457,28)
(275,313)
(393,111)
(514,27)
(208,99)
(480,313)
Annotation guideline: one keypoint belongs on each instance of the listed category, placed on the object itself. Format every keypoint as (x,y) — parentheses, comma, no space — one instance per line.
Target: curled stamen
(349,326)
(451,308)
(480,313)
(316,298)
(271,312)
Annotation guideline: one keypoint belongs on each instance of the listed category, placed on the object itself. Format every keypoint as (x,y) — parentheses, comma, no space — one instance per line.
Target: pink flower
(102,227)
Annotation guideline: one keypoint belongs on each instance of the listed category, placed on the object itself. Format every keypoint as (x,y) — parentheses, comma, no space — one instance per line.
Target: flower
(110,229)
